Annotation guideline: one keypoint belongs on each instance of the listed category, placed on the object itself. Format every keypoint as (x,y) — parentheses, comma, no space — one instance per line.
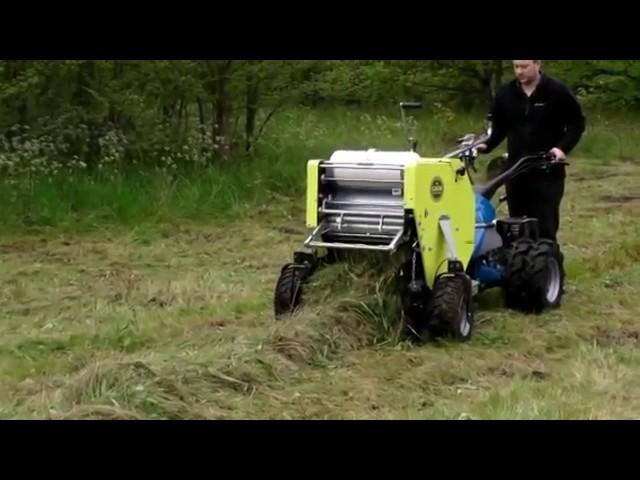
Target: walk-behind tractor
(430,211)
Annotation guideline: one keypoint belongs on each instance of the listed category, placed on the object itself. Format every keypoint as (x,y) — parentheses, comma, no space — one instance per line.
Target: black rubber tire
(414,303)
(516,285)
(448,311)
(288,291)
(545,276)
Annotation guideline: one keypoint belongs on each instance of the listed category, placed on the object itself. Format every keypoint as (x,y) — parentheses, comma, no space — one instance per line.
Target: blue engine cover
(484,272)
(485,213)
(487,273)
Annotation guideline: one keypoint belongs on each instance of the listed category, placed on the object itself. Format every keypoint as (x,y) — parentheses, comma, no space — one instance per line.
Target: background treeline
(128,141)
(132,111)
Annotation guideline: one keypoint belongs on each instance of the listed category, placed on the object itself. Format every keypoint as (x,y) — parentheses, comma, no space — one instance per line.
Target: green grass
(273,175)
(151,298)
(83,201)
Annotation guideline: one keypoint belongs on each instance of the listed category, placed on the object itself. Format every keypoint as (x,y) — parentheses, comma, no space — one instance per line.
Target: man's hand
(558,154)
(482,148)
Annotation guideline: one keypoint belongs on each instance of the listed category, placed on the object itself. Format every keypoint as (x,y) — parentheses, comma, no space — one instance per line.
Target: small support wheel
(288,291)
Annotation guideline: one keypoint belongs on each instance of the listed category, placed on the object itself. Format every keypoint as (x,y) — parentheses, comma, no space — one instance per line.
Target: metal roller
(362,200)
(368,170)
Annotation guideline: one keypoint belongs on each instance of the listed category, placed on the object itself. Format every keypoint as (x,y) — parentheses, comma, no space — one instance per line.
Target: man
(536,113)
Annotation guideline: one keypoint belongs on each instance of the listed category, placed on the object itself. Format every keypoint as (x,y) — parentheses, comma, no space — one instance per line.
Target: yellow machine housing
(381,200)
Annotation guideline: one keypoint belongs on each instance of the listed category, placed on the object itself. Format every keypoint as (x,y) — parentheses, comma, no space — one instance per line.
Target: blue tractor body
(485,269)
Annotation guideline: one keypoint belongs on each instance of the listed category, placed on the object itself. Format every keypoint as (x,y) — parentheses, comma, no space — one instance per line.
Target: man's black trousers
(537,195)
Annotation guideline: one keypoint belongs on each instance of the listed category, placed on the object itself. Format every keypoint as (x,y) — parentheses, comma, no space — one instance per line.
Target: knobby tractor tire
(288,292)
(448,312)
(535,276)
(516,287)
(545,275)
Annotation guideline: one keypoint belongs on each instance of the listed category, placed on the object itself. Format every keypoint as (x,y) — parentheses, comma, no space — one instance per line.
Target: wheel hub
(553,282)
(465,326)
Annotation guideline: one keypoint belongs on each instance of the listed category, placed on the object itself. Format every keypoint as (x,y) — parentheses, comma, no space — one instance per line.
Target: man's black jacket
(550,117)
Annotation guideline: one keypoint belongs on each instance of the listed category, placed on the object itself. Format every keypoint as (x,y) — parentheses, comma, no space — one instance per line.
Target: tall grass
(42,188)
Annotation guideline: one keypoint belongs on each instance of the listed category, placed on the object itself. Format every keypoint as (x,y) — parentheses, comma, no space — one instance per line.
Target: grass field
(166,312)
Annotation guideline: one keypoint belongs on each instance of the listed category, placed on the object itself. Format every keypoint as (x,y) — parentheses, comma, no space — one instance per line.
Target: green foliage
(43,185)
(600,83)
(205,112)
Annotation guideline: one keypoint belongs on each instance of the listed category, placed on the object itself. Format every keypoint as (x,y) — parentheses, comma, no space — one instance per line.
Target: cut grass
(176,322)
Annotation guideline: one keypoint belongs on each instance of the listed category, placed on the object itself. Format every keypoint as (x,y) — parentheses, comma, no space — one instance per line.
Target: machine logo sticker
(437,188)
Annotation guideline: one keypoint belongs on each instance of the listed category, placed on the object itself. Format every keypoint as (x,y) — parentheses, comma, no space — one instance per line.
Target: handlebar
(550,159)
(470,142)
(543,161)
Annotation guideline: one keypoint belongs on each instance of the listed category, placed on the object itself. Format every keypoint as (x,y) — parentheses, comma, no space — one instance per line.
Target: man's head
(527,71)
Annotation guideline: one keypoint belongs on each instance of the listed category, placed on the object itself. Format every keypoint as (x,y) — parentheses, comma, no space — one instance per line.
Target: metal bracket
(391,247)
(445,226)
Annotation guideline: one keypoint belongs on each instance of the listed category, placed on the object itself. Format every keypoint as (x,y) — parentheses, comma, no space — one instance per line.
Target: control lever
(413,142)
